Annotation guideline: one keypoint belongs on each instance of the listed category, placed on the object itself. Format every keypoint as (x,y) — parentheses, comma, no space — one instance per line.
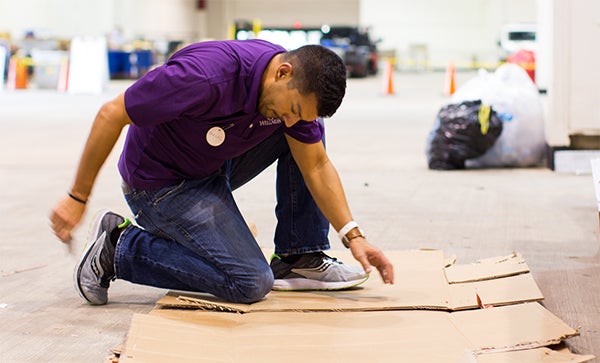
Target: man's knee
(252,288)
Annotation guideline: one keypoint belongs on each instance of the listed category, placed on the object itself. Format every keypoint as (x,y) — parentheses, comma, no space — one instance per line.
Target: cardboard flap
(513,327)
(487,269)
(193,335)
(496,292)
(420,284)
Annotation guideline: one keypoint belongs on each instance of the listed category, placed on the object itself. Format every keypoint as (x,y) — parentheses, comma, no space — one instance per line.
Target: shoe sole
(87,249)
(303,284)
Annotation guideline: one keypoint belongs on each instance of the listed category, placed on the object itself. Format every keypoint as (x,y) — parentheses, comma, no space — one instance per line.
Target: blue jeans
(192,236)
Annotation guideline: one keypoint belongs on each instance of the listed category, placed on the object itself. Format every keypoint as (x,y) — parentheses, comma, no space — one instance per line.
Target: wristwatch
(353,233)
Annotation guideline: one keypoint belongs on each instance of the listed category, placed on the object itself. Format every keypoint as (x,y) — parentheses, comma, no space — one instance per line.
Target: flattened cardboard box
(381,336)
(424,317)
(424,280)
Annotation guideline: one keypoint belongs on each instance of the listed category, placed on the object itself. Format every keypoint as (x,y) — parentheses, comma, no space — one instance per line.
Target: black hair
(320,71)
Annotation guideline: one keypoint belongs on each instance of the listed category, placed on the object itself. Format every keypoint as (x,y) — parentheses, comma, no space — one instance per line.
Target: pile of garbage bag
(462,131)
(514,135)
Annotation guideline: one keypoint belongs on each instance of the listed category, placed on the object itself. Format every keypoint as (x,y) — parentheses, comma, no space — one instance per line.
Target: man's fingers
(385,268)
(387,273)
(364,261)
(64,236)
(370,257)
(61,228)
(366,265)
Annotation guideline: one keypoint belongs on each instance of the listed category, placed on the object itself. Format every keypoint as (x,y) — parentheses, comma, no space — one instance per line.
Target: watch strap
(354,233)
(346,228)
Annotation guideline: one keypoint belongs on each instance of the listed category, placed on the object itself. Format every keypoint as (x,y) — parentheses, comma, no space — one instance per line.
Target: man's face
(287,104)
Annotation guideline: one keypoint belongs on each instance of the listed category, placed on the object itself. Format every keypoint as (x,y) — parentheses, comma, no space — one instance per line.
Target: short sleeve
(308,132)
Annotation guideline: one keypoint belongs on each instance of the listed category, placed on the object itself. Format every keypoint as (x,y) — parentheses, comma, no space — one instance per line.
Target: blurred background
(425,34)
(79,45)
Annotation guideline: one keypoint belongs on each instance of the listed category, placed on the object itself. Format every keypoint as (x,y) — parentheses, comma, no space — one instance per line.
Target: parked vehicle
(355,46)
(352,43)
(515,37)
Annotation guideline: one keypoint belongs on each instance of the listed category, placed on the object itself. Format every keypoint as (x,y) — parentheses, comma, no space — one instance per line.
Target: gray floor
(377,142)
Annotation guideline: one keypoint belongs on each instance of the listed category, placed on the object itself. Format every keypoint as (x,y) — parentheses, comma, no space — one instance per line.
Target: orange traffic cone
(388,78)
(17,74)
(450,82)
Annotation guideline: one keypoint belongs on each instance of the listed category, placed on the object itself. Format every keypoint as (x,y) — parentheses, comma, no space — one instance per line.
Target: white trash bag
(516,99)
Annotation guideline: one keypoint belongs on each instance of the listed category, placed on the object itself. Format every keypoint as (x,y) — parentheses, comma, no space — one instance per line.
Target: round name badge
(215,136)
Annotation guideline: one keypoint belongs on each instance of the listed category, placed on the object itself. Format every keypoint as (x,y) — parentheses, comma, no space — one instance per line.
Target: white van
(514,37)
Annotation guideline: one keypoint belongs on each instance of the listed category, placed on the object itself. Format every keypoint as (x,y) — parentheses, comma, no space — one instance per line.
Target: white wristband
(345,229)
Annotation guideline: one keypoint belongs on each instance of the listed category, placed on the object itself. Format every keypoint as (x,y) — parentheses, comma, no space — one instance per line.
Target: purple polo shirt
(209,86)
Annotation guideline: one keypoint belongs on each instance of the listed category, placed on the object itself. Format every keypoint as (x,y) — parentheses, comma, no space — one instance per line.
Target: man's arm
(325,186)
(106,129)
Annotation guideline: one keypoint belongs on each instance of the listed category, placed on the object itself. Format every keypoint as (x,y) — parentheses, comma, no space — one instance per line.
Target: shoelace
(327,257)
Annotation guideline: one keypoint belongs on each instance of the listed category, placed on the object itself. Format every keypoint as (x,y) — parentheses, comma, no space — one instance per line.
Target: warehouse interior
(534,192)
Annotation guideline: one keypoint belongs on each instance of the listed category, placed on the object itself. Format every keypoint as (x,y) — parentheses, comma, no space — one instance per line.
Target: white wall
(158,19)
(310,13)
(58,18)
(175,19)
(567,66)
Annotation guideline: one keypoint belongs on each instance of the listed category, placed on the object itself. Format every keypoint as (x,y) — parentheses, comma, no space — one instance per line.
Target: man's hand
(106,129)
(65,217)
(369,256)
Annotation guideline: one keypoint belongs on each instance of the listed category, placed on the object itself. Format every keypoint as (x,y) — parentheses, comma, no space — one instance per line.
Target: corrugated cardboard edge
(537,355)
(505,280)
(175,300)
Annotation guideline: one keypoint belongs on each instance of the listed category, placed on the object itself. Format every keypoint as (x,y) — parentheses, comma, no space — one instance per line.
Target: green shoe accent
(125,223)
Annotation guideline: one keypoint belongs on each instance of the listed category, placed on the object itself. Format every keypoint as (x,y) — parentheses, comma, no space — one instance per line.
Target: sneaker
(315,271)
(96,268)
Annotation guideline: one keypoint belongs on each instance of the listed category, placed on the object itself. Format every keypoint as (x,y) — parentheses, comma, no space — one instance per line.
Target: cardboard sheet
(431,314)
(422,282)
(384,336)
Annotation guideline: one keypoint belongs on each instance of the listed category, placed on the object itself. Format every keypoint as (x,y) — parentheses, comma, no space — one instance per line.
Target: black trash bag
(458,134)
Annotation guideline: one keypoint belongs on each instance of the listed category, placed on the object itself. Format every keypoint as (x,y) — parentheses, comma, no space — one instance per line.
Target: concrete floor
(377,142)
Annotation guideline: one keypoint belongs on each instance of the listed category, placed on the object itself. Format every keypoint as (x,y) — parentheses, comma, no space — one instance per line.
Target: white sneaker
(315,271)
(96,268)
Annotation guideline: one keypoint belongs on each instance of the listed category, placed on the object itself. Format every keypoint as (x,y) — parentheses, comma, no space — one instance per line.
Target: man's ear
(284,71)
